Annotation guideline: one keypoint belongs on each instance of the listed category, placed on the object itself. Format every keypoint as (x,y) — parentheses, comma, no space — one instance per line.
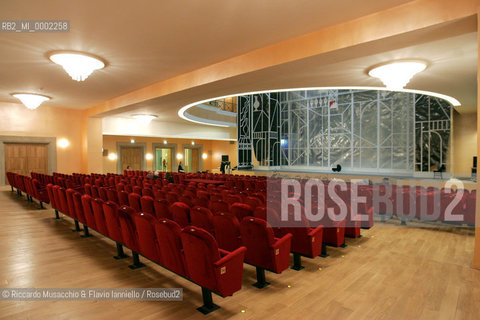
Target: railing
(228,104)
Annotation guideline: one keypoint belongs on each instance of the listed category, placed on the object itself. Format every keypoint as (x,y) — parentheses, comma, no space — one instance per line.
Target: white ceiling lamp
(144,119)
(78,65)
(31,100)
(395,75)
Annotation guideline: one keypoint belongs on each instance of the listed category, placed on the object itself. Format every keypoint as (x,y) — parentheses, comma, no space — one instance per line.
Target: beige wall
(464,142)
(17,120)
(213,148)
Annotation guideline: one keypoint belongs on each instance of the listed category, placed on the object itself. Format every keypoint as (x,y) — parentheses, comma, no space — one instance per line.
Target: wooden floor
(389,273)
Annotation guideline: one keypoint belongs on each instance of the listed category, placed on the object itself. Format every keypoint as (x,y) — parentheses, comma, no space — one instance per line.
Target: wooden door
(24,158)
(195,160)
(131,156)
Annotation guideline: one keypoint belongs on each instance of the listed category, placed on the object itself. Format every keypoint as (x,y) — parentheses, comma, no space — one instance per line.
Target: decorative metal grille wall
(432,130)
(366,130)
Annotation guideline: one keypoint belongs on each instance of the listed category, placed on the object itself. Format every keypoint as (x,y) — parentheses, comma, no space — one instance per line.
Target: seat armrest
(228,256)
(229,272)
(286,239)
(316,231)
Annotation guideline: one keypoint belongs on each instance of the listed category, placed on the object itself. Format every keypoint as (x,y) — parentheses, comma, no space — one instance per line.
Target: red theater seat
(202,218)
(147,192)
(122,198)
(71,211)
(147,240)
(88,189)
(172,197)
(264,251)
(134,201)
(170,245)
(77,201)
(201,202)
(210,267)
(241,210)
(181,213)
(53,201)
(112,195)
(334,231)
(112,220)
(253,202)
(161,207)
(470,208)
(102,193)
(88,211)
(100,222)
(129,234)
(233,198)
(146,203)
(137,190)
(227,231)
(218,206)
(306,241)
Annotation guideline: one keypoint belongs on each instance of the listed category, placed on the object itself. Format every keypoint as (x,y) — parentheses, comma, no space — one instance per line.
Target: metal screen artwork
(363,130)
(432,131)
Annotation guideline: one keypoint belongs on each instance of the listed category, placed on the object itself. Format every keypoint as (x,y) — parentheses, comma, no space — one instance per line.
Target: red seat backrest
(181,213)
(161,207)
(170,245)
(259,239)
(203,218)
(134,201)
(201,252)
(147,240)
(100,222)
(227,231)
(127,226)
(241,210)
(88,211)
(110,210)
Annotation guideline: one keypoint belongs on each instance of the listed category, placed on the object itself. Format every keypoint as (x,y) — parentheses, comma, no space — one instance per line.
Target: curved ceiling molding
(182,113)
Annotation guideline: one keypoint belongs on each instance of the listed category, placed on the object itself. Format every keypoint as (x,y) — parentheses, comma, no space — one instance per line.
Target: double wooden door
(24,158)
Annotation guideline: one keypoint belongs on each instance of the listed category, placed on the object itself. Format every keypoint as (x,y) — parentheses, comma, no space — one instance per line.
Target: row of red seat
(31,187)
(226,216)
(190,252)
(223,218)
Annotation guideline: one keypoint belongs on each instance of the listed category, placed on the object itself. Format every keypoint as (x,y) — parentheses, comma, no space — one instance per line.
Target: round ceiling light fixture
(31,100)
(144,119)
(78,65)
(396,74)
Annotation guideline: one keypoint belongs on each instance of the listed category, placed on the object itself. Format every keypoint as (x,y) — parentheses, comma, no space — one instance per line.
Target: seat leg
(77,227)
(86,234)
(261,283)
(297,262)
(343,245)
(12,188)
(41,205)
(120,253)
(324,253)
(208,305)
(57,217)
(136,261)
